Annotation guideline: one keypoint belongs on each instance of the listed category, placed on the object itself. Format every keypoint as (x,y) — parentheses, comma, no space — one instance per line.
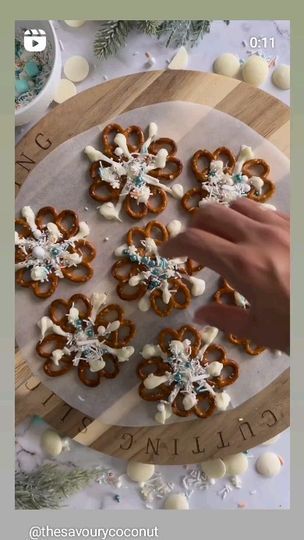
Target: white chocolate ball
(74,23)
(38,252)
(255,70)
(140,472)
(214,468)
(176,501)
(281,77)
(236,464)
(51,443)
(268,464)
(227,64)
(65,90)
(76,68)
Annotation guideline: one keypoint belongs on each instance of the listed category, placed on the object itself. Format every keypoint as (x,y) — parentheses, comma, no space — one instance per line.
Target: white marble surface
(256,491)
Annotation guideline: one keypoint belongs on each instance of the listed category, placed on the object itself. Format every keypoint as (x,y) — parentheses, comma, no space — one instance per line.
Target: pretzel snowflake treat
(128,174)
(224,178)
(50,246)
(186,373)
(86,334)
(226,294)
(158,283)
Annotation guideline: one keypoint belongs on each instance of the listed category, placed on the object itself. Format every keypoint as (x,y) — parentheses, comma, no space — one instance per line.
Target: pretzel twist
(67,223)
(58,312)
(124,269)
(227,292)
(103,192)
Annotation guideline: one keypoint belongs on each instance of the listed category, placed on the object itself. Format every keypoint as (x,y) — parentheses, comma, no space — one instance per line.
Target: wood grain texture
(264,415)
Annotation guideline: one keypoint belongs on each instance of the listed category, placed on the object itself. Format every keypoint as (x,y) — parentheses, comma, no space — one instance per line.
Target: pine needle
(48,485)
(110,38)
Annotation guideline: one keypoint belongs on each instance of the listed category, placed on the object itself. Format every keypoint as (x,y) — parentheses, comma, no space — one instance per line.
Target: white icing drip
(56,355)
(84,231)
(29,216)
(54,231)
(189,401)
(245,154)
(121,141)
(120,250)
(197,286)
(222,401)
(153,381)
(214,368)
(161,158)
(164,411)
(257,183)
(97,300)
(47,326)
(97,365)
(174,227)
(240,300)
(144,302)
(177,191)
(152,350)
(109,211)
(73,315)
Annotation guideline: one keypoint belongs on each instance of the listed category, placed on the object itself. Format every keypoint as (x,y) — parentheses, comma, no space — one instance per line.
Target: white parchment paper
(62,180)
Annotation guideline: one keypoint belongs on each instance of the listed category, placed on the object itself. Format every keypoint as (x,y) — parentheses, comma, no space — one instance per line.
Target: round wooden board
(256,420)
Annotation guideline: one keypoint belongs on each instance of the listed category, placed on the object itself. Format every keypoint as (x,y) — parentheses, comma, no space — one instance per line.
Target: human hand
(248,245)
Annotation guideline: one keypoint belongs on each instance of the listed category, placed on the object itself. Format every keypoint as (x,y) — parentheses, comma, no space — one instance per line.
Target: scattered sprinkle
(281,460)
(244,43)
(116,498)
(252,492)
(242,505)
(81,398)
(150,59)
(105,78)
(236,481)
(86,208)
(61,45)
(106,239)
(224,491)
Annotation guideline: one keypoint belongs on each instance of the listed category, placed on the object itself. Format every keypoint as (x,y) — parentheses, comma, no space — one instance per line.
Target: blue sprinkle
(116,498)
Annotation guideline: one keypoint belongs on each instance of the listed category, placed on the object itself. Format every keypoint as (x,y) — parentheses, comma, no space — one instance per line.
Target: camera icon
(34,40)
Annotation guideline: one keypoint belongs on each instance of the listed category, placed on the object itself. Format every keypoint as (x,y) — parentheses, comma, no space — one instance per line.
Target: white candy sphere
(236,464)
(255,70)
(140,472)
(38,252)
(214,468)
(176,501)
(227,64)
(268,464)
(281,77)
(51,443)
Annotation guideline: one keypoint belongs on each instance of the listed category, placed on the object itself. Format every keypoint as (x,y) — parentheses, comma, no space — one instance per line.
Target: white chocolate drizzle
(224,188)
(187,376)
(131,172)
(158,271)
(46,252)
(86,342)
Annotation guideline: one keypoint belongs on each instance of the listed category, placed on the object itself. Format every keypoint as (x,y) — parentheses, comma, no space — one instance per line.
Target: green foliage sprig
(48,485)
(112,35)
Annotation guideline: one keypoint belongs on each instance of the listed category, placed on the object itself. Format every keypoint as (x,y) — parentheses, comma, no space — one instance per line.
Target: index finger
(206,248)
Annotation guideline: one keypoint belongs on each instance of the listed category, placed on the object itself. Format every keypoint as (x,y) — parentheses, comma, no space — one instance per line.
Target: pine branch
(111,37)
(148,27)
(49,485)
(187,33)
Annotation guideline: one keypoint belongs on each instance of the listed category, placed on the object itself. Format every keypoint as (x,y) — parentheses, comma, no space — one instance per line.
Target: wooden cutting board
(262,416)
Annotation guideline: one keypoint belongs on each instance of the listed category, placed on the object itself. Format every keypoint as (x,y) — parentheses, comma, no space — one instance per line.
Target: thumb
(229,319)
